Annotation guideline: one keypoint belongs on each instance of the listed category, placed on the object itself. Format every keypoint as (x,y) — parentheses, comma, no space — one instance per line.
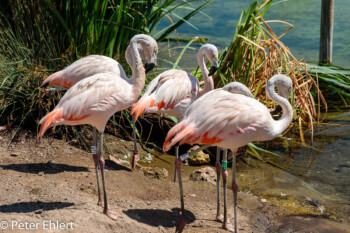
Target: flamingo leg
(177,156)
(234,188)
(136,152)
(181,224)
(102,165)
(96,161)
(219,217)
(226,225)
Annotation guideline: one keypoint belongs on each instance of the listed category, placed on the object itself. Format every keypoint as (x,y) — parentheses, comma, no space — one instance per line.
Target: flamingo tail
(142,105)
(49,120)
(180,133)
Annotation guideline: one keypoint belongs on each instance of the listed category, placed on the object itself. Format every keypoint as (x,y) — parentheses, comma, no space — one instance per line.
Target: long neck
(138,72)
(280,125)
(208,81)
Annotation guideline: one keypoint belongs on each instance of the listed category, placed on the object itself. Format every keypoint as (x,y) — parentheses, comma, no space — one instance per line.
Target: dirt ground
(51,185)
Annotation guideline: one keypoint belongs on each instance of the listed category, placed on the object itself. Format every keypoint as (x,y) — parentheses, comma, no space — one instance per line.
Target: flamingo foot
(228,226)
(110,214)
(219,218)
(180,225)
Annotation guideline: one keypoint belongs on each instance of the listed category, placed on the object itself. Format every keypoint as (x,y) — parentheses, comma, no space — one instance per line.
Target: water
(303,40)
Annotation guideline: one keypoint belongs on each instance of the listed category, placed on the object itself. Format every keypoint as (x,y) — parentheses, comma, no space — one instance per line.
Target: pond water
(303,40)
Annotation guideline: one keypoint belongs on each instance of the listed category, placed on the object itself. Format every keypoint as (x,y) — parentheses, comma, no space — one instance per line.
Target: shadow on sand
(26,207)
(159,217)
(46,168)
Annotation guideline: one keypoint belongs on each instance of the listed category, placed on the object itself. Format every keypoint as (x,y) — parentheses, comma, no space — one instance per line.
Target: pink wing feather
(170,92)
(220,118)
(83,68)
(91,101)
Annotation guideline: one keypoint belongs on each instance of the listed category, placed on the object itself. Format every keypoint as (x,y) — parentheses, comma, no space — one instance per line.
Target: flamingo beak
(214,67)
(150,65)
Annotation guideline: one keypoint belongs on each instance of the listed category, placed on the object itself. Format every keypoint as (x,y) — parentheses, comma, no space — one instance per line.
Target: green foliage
(41,36)
(332,78)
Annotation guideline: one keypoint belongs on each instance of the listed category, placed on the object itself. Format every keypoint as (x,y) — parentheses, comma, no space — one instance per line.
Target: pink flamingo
(95,99)
(173,91)
(236,88)
(89,66)
(229,120)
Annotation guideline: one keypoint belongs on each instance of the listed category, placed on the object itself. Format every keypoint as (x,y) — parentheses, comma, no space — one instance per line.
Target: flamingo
(173,91)
(228,120)
(89,66)
(236,88)
(95,99)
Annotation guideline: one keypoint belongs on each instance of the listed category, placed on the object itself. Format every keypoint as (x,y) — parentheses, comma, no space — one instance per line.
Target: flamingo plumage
(228,120)
(91,65)
(172,91)
(93,100)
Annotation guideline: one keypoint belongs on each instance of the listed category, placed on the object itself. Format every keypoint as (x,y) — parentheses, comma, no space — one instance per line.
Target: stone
(204,174)
(199,158)
(155,172)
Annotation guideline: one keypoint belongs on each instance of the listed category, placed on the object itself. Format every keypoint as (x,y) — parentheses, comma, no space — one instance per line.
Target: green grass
(40,37)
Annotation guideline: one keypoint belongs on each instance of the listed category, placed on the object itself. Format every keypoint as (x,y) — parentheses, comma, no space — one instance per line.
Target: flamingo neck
(138,72)
(208,81)
(279,126)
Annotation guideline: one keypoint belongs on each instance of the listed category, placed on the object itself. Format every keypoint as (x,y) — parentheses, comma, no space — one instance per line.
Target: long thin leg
(219,217)
(181,224)
(177,153)
(96,161)
(226,225)
(177,156)
(234,188)
(136,152)
(102,164)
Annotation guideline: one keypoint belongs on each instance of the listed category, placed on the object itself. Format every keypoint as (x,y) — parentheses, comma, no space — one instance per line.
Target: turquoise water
(303,40)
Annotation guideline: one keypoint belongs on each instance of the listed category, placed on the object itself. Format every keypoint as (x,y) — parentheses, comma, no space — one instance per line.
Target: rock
(155,172)
(198,158)
(38,211)
(204,174)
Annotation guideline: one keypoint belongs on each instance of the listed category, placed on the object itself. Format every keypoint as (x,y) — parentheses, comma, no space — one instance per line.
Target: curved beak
(214,67)
(277,110)
(150,65)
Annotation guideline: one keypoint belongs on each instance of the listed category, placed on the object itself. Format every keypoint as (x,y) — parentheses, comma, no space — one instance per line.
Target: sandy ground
(51,185)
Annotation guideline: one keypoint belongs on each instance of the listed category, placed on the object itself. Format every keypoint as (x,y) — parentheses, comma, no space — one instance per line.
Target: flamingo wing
(84,68)
(91,101)
(216,117)
(166,92)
